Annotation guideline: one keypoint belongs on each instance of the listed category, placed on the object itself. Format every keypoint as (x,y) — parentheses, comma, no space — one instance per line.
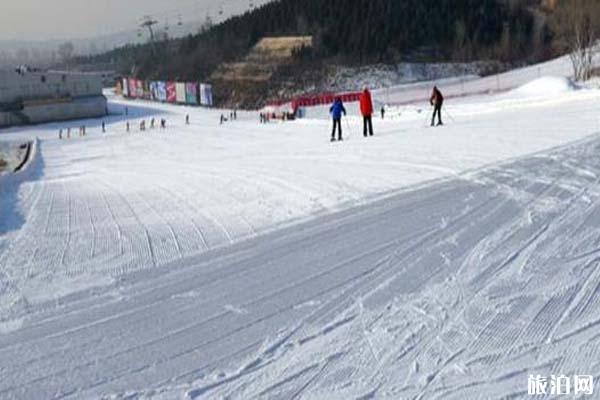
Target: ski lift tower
(148,23)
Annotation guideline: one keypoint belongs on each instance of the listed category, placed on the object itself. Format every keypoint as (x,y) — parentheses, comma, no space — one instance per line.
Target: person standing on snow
(382,112)
(366,109)
(336,111)
(437,101)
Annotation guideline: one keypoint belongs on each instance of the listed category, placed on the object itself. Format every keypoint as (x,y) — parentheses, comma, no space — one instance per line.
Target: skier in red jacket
(366,109)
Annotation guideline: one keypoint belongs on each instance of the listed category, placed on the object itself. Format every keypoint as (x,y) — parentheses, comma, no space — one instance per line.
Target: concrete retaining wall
(26,86)
(81,108)
(32,97)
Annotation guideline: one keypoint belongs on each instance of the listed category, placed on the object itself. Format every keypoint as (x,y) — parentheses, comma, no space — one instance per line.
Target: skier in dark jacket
(336,111)
(437,101)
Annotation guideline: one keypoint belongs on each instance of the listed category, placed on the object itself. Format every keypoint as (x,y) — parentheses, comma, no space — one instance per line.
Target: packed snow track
(455,290)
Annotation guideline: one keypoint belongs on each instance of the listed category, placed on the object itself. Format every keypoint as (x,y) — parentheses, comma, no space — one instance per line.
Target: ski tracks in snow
(449,291)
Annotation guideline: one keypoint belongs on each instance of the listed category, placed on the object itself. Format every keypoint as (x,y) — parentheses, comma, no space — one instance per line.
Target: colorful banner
(171,92)
(132,85)
(147,91)
(180,92)
(125,86)
(140,89)
(206,97)
(191,93)
(161,91)
(153,87)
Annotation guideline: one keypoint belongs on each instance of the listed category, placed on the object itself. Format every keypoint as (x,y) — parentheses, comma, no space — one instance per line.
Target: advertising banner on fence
(171,92)
(191,93)
(140,89)
(161,90)
(153,90)
(147,91)
(180,92)
(132,84)
(206,97)
(125,86)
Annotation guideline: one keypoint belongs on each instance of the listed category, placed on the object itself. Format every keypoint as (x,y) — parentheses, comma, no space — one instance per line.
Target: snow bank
(26,172)
(547,86)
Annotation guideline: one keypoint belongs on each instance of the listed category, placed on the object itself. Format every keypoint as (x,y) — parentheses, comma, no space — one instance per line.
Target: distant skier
(163,123)
(222,119)
(366,109)
(336,111)
(103,127)
(382,112)
(127,127)
(437,101)
(235,114)
(187,119)
(60,133)
(152,123)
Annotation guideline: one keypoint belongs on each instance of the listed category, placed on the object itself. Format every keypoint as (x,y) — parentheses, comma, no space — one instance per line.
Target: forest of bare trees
(576,24)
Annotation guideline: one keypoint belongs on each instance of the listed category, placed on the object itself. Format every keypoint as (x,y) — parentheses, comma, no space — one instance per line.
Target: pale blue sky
(60,19)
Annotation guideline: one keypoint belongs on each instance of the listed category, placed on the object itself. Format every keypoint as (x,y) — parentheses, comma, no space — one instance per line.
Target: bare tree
(577,25)
(206,25)
(65,51)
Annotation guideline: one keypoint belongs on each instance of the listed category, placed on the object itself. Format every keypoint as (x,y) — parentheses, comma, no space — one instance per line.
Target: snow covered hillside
(468,85)
(261,261)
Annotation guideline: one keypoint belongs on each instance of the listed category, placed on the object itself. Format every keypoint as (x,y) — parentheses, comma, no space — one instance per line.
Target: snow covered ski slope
(457,290)
(259,261)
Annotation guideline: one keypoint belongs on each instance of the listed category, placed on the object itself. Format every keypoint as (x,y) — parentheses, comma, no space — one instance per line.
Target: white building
(34,97)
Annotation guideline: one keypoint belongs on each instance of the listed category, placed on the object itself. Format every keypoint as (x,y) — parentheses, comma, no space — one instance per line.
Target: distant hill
(350,32)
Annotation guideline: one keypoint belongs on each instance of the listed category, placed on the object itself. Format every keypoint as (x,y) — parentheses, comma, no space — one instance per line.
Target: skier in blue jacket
(336,111)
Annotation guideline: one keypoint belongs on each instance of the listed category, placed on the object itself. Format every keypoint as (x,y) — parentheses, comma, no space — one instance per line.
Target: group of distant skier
(366,109)
(67,132)
(163,124)
(232,117)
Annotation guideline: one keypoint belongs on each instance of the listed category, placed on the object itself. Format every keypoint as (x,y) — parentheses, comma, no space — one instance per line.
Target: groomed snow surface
(261,261)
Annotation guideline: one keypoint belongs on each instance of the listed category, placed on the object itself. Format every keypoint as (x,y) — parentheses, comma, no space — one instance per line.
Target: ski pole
(348,126)
(427,118)
(448,115)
